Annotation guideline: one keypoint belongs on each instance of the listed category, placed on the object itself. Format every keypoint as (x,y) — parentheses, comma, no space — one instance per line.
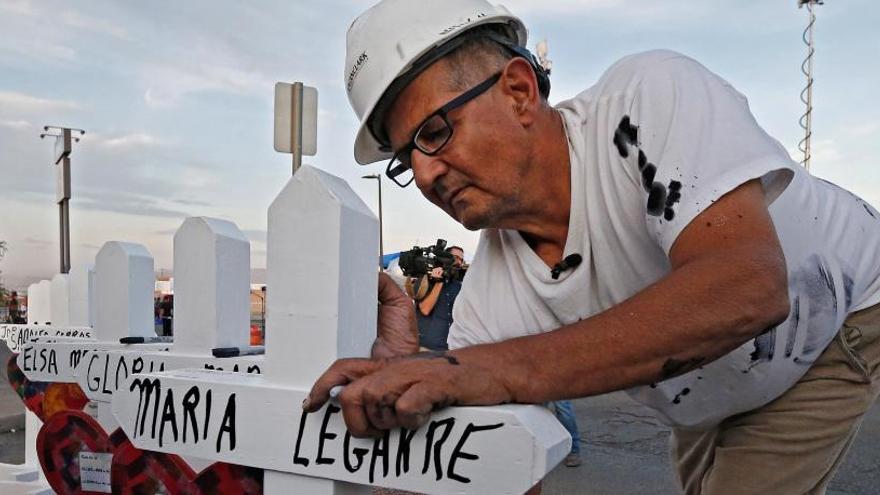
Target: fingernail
(305,404)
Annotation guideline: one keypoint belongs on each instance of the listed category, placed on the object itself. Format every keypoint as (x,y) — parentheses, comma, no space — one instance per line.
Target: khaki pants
(794,444)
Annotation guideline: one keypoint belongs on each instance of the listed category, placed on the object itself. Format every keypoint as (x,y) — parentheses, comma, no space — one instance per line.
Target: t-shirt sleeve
(693,139)
(467,327)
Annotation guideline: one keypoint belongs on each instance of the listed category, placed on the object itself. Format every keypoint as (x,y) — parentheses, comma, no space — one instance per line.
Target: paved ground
(624,449)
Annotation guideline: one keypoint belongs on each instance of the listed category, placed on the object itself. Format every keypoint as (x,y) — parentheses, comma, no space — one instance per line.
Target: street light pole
(381,241)
(63,146)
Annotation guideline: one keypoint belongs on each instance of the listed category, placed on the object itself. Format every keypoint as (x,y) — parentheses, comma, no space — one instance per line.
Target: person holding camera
(434,312)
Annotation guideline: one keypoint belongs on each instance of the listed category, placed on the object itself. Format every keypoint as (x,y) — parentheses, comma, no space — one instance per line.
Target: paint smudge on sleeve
(626,134)
(661,199)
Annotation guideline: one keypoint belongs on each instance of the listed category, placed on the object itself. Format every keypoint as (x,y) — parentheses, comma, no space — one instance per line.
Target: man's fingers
(414,406)
(380,410)
(354,412)
(342,372)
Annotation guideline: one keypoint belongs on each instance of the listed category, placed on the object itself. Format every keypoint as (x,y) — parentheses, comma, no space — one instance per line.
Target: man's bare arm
(727,284)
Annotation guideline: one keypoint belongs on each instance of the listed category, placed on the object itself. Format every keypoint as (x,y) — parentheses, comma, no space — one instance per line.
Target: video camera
(420,261)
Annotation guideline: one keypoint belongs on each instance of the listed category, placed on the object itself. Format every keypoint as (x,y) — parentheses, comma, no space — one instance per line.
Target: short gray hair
(478,57)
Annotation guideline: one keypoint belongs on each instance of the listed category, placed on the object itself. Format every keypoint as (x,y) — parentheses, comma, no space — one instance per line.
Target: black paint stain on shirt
(626,134)
(765,345)
(661,199)
(794,326)
(648,174)
(815,284)
(673,197)
(847,290)
(656,199)
(677,399)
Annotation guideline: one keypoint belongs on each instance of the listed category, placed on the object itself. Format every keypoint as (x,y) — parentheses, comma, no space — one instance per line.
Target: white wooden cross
(321,306)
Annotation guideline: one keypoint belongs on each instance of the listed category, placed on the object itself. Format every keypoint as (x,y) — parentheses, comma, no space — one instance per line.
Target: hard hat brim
(367,148)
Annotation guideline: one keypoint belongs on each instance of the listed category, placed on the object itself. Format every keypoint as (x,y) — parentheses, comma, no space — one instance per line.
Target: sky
(177,101)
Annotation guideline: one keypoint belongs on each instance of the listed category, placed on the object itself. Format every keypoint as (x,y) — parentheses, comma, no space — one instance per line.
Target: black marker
(145,340)
(223,352)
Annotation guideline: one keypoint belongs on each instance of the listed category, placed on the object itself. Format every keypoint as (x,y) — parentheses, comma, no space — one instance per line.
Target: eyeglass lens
(399,169)
(432,134)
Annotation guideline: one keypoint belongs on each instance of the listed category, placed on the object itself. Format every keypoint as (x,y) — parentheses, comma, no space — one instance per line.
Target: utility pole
(64,140)
(806,120)
(378,178)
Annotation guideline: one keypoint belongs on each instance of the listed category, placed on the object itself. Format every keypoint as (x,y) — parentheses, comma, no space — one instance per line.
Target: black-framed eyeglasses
(432,134)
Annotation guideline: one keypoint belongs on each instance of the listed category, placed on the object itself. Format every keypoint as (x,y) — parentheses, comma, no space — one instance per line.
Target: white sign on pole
(284,119)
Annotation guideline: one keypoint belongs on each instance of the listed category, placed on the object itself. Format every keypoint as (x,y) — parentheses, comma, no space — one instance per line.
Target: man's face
(477,176)
(458,254)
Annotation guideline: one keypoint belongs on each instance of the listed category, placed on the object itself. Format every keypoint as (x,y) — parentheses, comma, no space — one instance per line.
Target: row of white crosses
(122,283)
(59,309)
(212,286)
(321,305)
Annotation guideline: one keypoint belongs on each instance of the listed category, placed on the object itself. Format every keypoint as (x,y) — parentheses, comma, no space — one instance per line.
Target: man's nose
(427,169)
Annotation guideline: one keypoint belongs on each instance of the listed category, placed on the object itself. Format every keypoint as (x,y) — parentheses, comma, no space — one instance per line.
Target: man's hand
(398,333)
(385,394)
(437,273)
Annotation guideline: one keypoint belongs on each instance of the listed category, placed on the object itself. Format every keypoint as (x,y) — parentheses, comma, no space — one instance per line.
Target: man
(435,309)
(645,235)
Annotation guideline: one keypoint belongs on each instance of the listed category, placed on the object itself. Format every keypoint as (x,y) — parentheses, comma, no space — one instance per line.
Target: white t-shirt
(655,142)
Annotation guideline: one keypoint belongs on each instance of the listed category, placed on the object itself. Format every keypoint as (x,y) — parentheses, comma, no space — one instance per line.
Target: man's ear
(518,82)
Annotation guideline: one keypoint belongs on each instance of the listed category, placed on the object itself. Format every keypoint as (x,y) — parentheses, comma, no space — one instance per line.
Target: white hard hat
(384,42)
